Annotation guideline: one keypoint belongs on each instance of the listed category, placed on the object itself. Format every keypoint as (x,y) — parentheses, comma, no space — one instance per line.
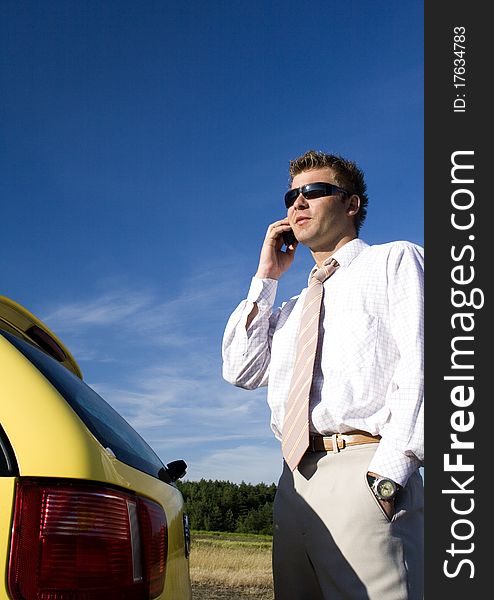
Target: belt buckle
(340,442)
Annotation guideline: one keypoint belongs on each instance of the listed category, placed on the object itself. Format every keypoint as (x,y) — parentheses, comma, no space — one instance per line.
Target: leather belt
(323,443)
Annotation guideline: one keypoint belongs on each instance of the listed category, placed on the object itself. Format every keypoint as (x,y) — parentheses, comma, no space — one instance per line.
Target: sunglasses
(312,190)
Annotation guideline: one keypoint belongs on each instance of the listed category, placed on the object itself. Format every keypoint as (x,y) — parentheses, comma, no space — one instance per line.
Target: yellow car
(87,509)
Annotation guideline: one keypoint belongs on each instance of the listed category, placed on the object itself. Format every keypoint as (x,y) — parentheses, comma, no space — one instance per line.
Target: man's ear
(353,205)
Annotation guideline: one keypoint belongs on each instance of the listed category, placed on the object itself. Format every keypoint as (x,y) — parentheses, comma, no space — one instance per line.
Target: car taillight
(73,541)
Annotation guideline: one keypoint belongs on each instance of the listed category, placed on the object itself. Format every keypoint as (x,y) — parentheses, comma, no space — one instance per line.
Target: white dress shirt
(369,362)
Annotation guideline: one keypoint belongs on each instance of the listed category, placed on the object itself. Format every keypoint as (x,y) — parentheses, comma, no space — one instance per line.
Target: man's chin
(302,237)
(308,241)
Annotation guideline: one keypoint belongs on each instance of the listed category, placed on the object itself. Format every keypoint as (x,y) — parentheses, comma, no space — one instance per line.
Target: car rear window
(105,423)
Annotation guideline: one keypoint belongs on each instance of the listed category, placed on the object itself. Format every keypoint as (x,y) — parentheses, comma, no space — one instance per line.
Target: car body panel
(49,440)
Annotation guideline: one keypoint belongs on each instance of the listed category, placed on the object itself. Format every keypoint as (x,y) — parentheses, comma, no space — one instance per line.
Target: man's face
(320,223)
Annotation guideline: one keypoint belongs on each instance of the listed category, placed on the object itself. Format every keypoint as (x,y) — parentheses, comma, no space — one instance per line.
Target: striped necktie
(295,437)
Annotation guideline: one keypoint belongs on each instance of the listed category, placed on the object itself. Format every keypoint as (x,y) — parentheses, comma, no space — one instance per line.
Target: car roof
(18,321)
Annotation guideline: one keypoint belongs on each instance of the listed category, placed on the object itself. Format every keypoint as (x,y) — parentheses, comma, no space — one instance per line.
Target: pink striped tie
(296,423)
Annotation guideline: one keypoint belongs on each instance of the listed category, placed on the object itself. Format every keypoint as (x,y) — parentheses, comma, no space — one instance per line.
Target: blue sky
(145,150)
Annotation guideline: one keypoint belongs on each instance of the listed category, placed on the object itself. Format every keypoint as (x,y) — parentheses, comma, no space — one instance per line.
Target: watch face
(386,488)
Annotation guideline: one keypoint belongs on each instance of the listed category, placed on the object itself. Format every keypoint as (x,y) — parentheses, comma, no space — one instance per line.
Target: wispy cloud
(108,309)
(160,317)
(248,463)
(168,408)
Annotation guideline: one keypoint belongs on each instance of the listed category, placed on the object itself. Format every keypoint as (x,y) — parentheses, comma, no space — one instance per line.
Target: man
(348,515)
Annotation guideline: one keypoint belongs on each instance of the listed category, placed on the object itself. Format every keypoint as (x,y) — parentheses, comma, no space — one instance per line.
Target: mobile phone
(289,237)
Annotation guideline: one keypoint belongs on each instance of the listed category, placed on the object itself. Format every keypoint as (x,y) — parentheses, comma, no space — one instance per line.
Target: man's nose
(300,202)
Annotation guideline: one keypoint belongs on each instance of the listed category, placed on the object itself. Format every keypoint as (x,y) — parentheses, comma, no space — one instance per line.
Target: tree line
(230,507)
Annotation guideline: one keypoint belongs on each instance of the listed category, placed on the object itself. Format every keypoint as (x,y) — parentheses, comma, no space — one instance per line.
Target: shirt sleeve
(401,450)
(247,352)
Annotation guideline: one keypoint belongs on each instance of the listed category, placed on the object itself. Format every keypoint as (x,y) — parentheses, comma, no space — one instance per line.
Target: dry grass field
(231,567)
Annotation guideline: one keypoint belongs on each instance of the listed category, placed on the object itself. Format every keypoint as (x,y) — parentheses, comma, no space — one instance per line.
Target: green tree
(226,506)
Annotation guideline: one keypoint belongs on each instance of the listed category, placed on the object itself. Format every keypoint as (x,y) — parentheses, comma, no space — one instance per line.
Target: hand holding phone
(273,260)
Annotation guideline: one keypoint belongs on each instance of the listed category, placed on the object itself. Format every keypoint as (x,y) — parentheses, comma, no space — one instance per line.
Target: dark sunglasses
(312,190)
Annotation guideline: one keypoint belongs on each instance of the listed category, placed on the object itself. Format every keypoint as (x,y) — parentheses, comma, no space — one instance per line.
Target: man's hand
(273,261)
(388,507)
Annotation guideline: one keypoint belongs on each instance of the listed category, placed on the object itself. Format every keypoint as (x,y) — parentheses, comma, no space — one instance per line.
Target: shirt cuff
(390,462)
(263,292)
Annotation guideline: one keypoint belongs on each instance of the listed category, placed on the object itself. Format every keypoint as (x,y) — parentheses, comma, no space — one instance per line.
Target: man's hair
(346,173)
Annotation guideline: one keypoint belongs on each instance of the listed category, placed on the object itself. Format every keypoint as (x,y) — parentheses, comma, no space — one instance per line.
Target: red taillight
(85,542)
(154,544)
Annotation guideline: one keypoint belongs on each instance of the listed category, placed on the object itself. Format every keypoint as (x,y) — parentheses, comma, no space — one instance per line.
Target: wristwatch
(383,488)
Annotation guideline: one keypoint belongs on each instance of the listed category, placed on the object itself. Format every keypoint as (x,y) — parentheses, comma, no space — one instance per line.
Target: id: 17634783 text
(459,69)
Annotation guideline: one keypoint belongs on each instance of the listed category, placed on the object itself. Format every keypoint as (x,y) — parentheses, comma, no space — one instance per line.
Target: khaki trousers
(333,541)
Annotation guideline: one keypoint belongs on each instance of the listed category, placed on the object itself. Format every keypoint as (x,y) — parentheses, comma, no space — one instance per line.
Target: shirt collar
(345,255)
